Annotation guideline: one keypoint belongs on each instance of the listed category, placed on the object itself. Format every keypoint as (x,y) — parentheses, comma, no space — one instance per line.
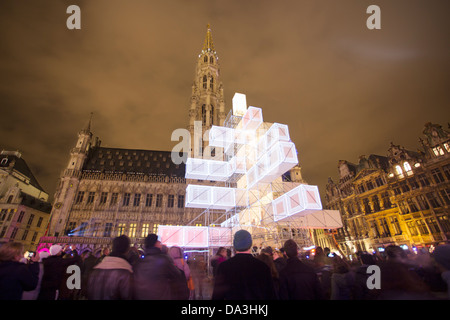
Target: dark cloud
(343,90)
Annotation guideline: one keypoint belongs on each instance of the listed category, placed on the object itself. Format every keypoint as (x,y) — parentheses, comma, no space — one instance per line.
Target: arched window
(211,83)
(399,171)
(406,166)
(212,114)
(205,59)
(205,82)
(211,60)
(204,114)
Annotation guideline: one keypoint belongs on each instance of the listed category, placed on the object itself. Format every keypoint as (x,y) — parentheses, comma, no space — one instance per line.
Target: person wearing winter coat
(243,277)
(33,294)
(442,257)
(111,279)
(155,276)
(177,256)
(16,277)
(342,280)
(55,268)
(220,257)
(298,281)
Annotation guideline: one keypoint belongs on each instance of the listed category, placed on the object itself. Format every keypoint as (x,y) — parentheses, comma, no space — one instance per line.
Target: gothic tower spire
(207,99)
(208,45)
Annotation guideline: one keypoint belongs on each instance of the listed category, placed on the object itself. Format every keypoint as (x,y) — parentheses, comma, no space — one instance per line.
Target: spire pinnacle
(208,45)
(87,129)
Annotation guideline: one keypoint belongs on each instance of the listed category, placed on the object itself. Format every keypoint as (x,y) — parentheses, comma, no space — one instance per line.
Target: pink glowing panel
(195,237)
(312,197)
(281,158)
(277,132)
(252,118)
(171,235)
(279,207)
(288,152)
(274,158)
(295,200)
(220,237)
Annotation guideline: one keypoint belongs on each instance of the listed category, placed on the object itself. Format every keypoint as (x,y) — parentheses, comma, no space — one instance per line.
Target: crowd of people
(161,273)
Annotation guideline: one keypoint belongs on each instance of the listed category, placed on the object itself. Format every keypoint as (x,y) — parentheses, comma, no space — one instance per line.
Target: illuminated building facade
(249,188)
(402,198)
(24,209)
(105,192)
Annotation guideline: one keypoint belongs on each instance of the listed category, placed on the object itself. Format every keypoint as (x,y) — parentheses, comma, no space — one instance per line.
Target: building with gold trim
(402,198)
(24,206)
(105,192)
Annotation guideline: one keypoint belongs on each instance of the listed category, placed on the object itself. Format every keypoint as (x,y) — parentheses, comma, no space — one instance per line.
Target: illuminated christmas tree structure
(250,158)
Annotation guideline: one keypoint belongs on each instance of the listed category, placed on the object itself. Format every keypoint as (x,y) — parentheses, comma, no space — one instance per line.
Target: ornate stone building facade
(207,99)
(24,206)
(106,192)
(402,198)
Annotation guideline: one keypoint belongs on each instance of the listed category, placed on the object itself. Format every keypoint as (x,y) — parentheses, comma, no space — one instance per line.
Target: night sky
(344,90)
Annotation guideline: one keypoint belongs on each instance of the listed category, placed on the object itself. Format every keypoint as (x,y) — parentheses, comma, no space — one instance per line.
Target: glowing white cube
(195,237)
(280,158)
(171,235)
(218,170)
(221,137)
(198,196)
(252,119)
(279,208)
(295,200)
(312,197)
(277,132)
(223,198)
(239,104)
(238,165)
(196,169)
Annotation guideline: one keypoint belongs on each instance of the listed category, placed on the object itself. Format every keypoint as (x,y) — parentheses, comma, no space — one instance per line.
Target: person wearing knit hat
(243,277)
(55,249)
(55,267)
(242,241)
(442,257)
